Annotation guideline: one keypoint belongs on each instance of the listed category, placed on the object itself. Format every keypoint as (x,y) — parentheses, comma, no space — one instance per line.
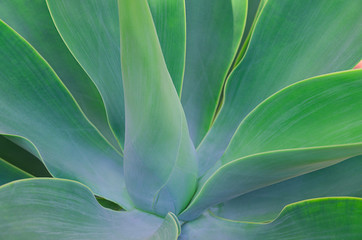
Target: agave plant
(172,119)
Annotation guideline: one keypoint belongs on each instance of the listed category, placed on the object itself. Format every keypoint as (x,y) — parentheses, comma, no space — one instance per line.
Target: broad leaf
(292,41)
(169,19)
(325,218)
(214,30)
(42,209)
(35,105)
(342,179)
(307,126)
(160,165)
(93,39)
(9,172)
(31,19)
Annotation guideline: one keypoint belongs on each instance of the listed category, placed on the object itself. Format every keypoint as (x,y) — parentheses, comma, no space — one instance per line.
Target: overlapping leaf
(32,20)
(21,158)
(169,19)
(342,179)
(93,39)
(160,165)
(292,41)
(11,173)
(34,104)
(42,209)
(214,30)
(325,218)
(307,126)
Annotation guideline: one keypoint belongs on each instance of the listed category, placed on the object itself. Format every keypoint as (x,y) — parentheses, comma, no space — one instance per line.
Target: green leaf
(254,10)
(160,165)
(292,41)
(31,19)
(9,172)
(169,230)
(307,126)
(169,19)
(320,111)
(21,158)
(342,179)
(35,105)
(325,218)
(93,39)
(213,34)
(42,209)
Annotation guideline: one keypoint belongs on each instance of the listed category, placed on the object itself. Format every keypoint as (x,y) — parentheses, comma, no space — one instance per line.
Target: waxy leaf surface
(43,209)
(32,20)
(159,158)
(213,33)
(36,106)
(292,41)
(325,218)
(305,127)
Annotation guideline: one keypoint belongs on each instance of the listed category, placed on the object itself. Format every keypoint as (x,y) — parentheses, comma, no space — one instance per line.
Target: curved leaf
(31,19)
(255,8)
(321,111)
(42,209)
(292,41)
(169,19)
(325,218)
(342,179)
(160,165)
(169,230)
(9,172)
(214,30)
(23,159)
(307,126)
(93,39)
(35,104)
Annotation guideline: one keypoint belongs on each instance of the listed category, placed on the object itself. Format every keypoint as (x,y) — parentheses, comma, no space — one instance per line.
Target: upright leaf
(169,19)
(35,105)
(32,20)
(255,8)
(325,218)
(292,40)
(307,126)
(160,165)
(42,209)
(93,39)
(213,32)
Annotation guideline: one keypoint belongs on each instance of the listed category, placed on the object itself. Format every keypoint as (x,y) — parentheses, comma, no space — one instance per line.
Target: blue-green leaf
(9,172)
(35,105)
(93,39)
(169,19)
(213,32)
(292,41)
(305,127)
(20,157)
(342,179)
(32,20)
(160,165)
(43,209)
(325,218)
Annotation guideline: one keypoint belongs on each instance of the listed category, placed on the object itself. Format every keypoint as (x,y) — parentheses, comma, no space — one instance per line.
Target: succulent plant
(180,119)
